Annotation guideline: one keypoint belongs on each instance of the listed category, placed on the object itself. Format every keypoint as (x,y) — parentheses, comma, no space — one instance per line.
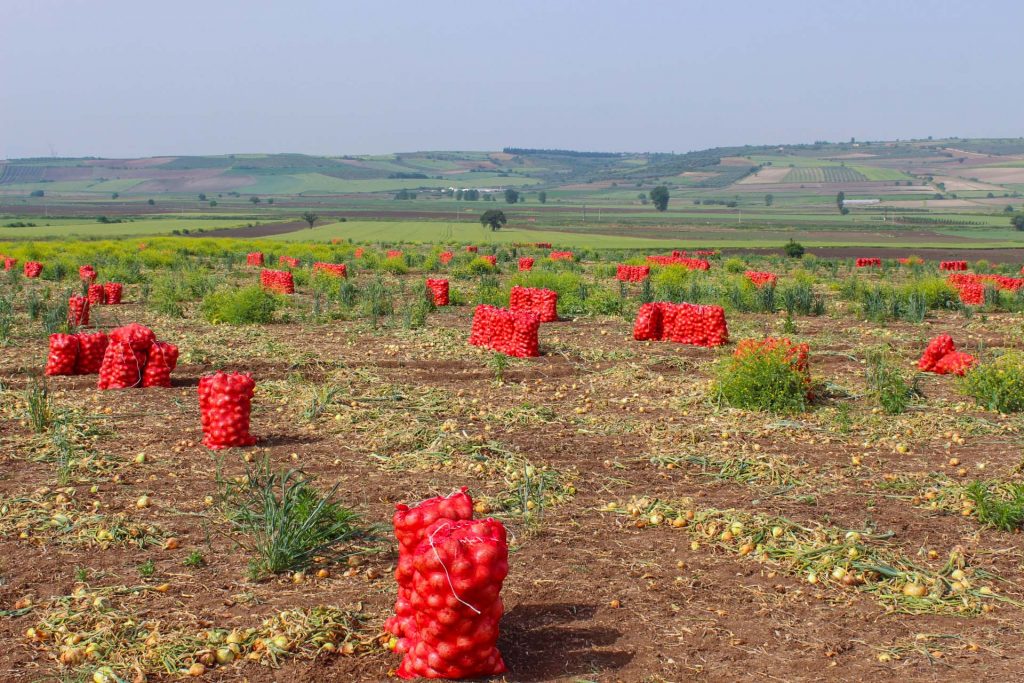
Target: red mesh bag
(9,262)
(490,258)
(288,261)
(472,250)
(458,572)
(679,258)
(97,295)
(955,363)
(632,273)
(63,354)
(78,311)
(511,333)
(161,359)
(525,263)
(561,256)
(91,349)
(280,281)
(953,265)
(336,269)
(359,252)
(87,274)
(761,278)
(394,253)
(543,302)
(113,291)
(33,268)
(254,258)
(225,402)
(138,337)
(411,524)
(937,348)
(439,290)
(648,323)
(446,257)
(122,366)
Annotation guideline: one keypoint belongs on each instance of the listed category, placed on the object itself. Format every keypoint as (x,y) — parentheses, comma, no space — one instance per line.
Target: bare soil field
(605,584)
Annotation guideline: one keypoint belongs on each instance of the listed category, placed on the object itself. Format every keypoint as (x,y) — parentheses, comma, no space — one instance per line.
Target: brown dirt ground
(704,615)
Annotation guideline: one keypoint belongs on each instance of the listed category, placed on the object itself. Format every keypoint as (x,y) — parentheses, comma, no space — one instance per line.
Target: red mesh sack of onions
(161,359)
(225,402)
(9,262)
(33,268)
(63,354)
(288,261)
(543,302)
(525,263)
(359,252)
(490,258)
(78,311)
(113,291)
(955,363)
(280,281)
(91,350)
(458,572)
(97,295)
(446,257)
(137,336)
(411,524)
(648,325)
(472,250)
(393,253)
(937,348)
(254,258)
(122,366)
(438,290)
(87,274)
(336,269)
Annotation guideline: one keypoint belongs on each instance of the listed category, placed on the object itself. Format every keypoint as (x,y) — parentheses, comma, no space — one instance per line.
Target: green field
(89,229)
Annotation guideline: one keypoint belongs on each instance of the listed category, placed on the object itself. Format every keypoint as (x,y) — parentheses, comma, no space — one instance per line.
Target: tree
(270,201)
(310,218)
(659,196)
(794,249)
(511,196)
(769,200)
(202,196)
(114,196)
(36,193)
(1018,221)
(542,197)
(213,202)
(493,218)
(840,198)
(254,199)
(150,202)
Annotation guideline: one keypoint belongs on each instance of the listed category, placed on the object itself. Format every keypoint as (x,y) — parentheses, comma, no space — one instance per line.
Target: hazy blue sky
(119,78)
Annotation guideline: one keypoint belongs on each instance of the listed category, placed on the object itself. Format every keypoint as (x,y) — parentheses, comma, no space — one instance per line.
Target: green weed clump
(765,379)
(250,305)
(888,385)
(288,520)
(1000,506)
(997,384)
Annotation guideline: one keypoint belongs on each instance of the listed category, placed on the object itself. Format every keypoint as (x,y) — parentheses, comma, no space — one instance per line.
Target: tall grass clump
(998,505)
(887,384)
(997,384)
(250,305)
(288,520)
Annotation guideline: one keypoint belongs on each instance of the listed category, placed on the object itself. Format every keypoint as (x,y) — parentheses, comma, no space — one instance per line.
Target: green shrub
(395,265)
(764,379)
(794,249)
(734,265)
(245,306)
(997,384)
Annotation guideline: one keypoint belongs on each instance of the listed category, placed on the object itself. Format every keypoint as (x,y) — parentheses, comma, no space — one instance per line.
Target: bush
(240,306)
(998,505)
(763,380)
(794,249)
(734,265)
(997,384)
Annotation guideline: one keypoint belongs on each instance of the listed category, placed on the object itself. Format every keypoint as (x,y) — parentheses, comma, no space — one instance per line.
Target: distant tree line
(524,151)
